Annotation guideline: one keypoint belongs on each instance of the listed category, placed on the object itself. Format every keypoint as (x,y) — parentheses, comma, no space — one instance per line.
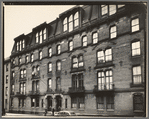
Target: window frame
(113,32)
(84,42)
(141,80)
(95,38)
(135,24)
(135,41)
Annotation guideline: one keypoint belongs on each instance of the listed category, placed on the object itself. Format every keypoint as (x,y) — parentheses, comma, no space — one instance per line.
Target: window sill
(134,32)
(136,56)
(77,69)
(137,111)
(100,110)
(106,64)
(136,85)
(110,110)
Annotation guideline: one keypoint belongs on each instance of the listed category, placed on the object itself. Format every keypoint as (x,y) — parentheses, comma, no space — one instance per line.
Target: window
(19,60)
(104,9)
(49,83)
(6,67)
(112,9)
(113,32)
(58,66)
(105,80)
(84,41)
(35,102)
(65,24)
(18,45)
(66,103)
(13,74)
(95,38)
(58,83)
(40,36)
(32,57)
(35,86)
(80,61)
(74,102)
(22,88)
(12,89)
(24,73)
(49,67)
(76,19)
(136,48)
(100,102)
(23,45)
(77,61)
(21,72)
(50,52)
(11,103)
(77,81)
(138,102)
(70,23)
(6,91)
(81,102)
(40,55)
(110,102)
(137,75)
(70,45)
(58,49)
(36,71)
(120,6)
(7,79)
(37,37)
(104,56)
(26,59)
(21,102)
(135,25)
(44,34)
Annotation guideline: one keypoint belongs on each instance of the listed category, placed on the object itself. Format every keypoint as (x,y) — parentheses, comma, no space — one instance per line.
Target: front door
(49,99)
(58,103)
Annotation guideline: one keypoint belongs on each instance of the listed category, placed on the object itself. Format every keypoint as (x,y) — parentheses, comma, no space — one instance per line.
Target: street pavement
(14,115)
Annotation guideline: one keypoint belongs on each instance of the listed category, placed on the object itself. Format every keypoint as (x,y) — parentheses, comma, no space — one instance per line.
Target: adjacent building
(6,84)
(91,59)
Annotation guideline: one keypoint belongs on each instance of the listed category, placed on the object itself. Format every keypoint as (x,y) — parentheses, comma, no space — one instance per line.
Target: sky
(22,19)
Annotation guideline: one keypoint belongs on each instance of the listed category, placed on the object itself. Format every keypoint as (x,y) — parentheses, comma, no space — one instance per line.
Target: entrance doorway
(49,100)
(58,103)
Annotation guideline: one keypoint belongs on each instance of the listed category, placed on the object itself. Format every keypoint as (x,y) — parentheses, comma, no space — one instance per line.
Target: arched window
(44,34)
(32,57)
(65,24)
(50,52)
(26,59)
(58,65)
(38,68)
(58,49)
(70,23)
(50,67)
(76,19)
(41,36)
(40,55)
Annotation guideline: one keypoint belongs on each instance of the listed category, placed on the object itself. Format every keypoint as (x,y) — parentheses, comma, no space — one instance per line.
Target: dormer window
(41,35)
(71,22)
(76,19)
(20,45)
(65,24)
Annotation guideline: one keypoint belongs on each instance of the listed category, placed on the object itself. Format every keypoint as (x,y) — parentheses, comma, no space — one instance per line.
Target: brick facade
(90,21)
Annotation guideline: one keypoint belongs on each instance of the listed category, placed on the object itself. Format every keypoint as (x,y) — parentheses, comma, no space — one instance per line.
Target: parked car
(66,113)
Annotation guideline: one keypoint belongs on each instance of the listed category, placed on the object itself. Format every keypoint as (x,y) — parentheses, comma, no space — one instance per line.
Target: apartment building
(6,84)
(91,59)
